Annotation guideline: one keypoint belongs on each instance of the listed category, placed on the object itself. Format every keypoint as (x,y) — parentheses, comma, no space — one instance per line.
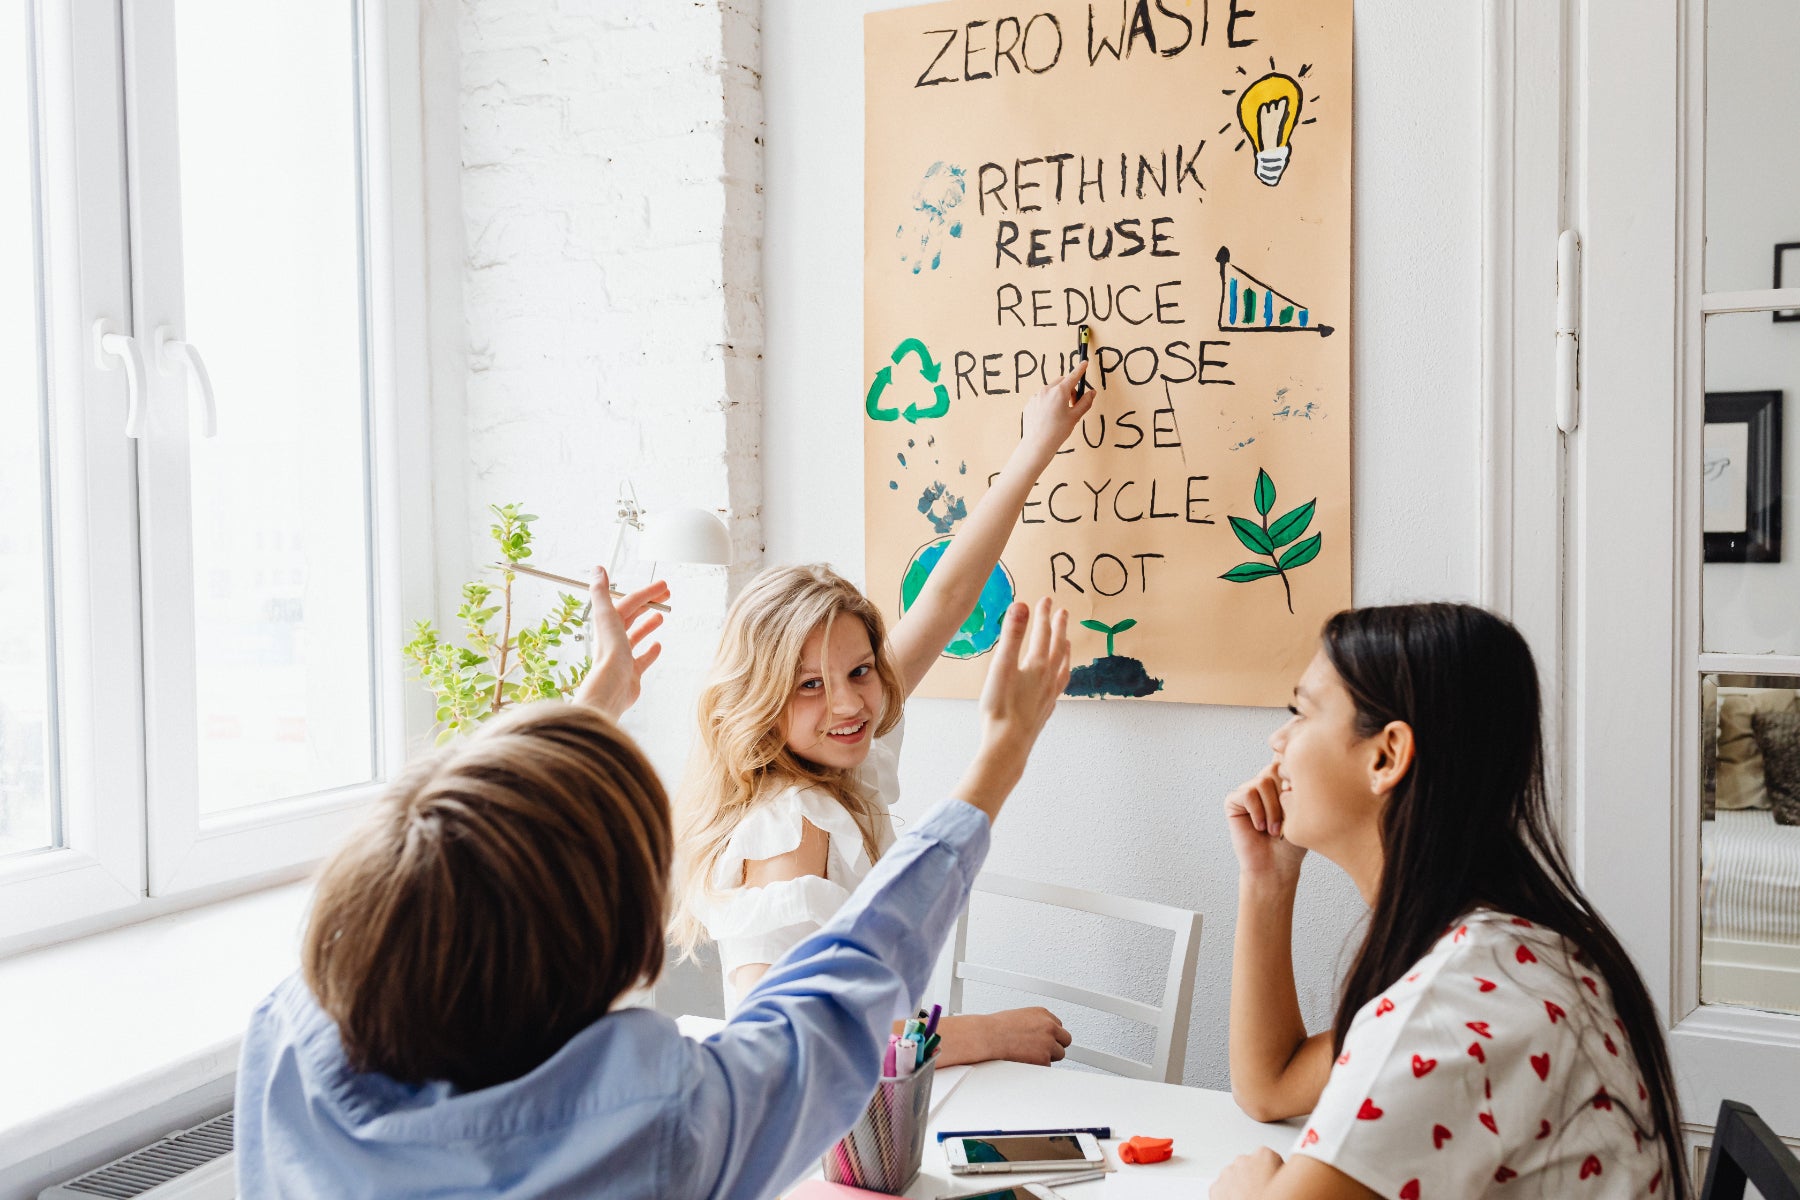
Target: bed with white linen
(1750,910)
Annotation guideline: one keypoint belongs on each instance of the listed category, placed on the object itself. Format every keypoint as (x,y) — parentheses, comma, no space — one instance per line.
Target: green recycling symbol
(927,368)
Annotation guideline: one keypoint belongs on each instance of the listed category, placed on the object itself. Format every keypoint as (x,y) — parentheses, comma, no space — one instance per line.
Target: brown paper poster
(1175,174)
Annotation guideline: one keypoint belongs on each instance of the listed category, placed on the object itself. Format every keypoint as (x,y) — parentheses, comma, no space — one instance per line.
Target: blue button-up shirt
(628,1107)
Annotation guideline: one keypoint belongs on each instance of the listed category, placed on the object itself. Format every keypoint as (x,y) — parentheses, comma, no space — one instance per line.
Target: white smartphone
(1029,1152)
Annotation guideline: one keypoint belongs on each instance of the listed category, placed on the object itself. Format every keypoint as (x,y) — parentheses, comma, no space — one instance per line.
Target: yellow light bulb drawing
(1268,110)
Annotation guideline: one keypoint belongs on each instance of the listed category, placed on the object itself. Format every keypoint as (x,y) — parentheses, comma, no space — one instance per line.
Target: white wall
(611,202)
(1752,177)
(1125,797)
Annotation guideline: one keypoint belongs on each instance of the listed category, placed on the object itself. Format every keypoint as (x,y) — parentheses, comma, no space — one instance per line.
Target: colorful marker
(1081,355)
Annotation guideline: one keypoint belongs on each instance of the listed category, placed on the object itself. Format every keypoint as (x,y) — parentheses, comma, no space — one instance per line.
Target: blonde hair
(740,757)
(501,896)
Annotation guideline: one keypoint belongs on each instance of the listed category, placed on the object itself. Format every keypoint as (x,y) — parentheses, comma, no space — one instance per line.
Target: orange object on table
(1143,1150)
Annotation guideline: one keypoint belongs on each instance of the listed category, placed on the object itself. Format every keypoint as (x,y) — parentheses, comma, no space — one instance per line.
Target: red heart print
(1642,1094)
(1505,1173)
(1462,932)
(1480,1027)
(1422,1066)
(1524,954)
(1637,1140)
(1602,1100)
(1487,1118)
(1655,1182)
(1487,1088)
(1590,1166)
(1610,1048)
(1368,1111)
(1591,985)
(1543,1130)
(1439,1135)
(1487,985)
(1476,1052)
(1312,1135)
(1344,1059)
(1541,1064)
(1522,921)
(1384,1007)
(1409,1190)
(1555,1010)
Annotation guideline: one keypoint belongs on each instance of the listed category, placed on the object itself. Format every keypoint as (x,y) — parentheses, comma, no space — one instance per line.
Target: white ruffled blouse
(760,924)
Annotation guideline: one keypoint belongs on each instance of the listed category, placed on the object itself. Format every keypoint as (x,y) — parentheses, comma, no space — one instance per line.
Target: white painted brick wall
(612,199)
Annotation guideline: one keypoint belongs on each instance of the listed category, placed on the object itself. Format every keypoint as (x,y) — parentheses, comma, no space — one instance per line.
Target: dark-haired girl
(1493,1038)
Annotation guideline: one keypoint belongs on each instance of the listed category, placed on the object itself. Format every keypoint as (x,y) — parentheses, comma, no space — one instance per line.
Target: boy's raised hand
(1052,414)
(614,682)
(1030,670)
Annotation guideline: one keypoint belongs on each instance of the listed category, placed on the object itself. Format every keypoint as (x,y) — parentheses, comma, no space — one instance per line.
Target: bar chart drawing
(1248,305)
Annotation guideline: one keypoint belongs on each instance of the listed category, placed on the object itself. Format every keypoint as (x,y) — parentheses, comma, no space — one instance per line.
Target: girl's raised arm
(949,596)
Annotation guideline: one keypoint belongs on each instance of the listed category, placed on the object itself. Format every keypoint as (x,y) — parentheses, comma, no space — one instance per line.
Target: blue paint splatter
(902,459)
(894,484)
(1243,443)
(941,508)
(921,238)
(962,469)
(909,443)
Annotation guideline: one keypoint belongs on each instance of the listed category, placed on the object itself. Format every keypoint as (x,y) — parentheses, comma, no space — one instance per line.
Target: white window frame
(129,851)
(1631,528)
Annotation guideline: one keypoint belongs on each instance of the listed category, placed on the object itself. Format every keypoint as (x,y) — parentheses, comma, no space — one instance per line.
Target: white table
(1208,1127)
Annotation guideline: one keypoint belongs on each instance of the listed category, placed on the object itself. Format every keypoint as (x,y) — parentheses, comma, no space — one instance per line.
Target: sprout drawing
(1267,539)
(1111,631)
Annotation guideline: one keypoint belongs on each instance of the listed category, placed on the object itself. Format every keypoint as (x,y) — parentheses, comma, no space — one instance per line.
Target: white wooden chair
(1170,1021)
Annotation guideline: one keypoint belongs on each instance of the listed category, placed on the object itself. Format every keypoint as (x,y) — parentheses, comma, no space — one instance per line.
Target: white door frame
(1594,122)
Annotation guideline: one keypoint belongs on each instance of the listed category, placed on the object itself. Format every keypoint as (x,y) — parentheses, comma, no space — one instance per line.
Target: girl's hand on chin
(1254,814)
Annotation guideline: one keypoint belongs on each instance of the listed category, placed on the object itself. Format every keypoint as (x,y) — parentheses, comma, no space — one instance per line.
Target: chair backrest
(1746,1150)
(1170,1020)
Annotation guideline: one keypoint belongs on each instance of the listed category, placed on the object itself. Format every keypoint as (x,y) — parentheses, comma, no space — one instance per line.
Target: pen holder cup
(882,1150)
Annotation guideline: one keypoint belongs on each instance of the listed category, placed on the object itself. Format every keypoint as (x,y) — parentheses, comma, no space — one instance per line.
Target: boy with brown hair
(451,1031)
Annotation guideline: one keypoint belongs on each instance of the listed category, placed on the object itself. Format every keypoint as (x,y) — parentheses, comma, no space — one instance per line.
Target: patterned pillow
(1778,734)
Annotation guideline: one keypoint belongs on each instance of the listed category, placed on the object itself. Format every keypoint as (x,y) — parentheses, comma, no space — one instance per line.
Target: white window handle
(109,346)
(173,354)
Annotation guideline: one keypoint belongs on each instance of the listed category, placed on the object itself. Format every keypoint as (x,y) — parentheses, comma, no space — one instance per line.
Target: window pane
(1751,581)
(273,260)
(1750,842)
(27,792)
(1752,143)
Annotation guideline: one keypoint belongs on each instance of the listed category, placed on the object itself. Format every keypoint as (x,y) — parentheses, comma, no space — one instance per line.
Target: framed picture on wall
(1741,496)
(1787,266)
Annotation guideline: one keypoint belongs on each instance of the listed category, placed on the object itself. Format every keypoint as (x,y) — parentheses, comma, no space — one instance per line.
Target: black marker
(1081,355)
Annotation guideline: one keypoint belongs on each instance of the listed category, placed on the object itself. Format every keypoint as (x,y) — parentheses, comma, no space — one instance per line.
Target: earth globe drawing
(979,633)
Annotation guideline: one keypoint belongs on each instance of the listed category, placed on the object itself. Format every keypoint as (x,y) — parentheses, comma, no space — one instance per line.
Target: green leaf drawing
(1265,493)
(1302,554)
(1293,525)
(1252,536)
(1111,631)
(1245,572)
(1268,539)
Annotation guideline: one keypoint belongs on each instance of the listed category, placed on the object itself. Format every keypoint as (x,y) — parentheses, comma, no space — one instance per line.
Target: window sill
(103,1027)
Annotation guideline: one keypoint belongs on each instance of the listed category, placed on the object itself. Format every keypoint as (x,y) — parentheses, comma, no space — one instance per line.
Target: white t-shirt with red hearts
(1497,1067)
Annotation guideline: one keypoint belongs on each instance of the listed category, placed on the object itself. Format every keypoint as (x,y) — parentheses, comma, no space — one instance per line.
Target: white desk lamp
(681,535)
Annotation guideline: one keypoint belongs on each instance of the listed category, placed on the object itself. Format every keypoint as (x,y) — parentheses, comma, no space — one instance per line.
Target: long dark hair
(1470,823)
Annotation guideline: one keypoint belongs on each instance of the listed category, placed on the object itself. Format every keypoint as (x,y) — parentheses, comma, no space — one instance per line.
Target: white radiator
(192,1164)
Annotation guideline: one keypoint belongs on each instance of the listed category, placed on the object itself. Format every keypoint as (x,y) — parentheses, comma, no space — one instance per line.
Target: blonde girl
(785,805)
